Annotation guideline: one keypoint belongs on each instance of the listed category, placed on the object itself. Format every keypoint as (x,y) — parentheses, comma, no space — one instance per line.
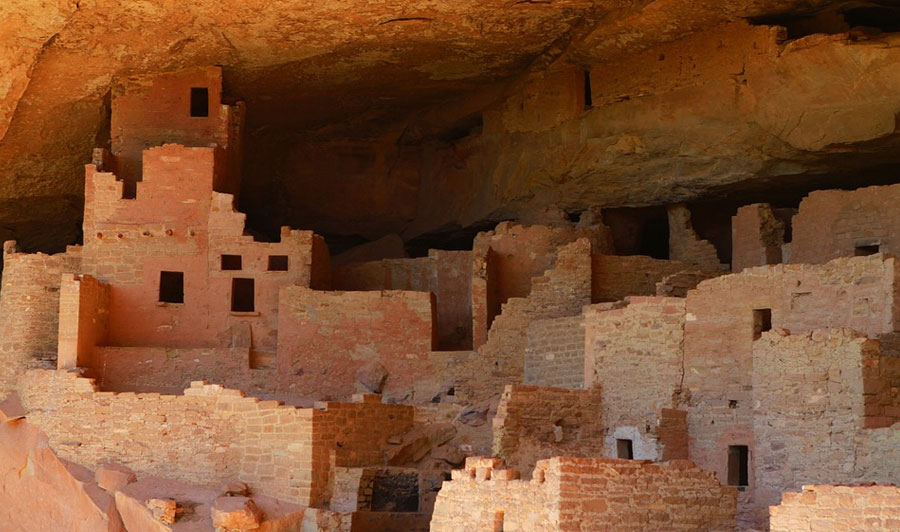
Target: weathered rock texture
(422,116)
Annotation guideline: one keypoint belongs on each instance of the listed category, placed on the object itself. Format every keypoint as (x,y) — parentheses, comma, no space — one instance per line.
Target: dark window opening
(655,238)
(199,102)
(762,321)
(278,263)
(129,189)
(243,298)
(231,262)
(588,96)
(171,287)
(625,449)
(863,250)
(395,492)
(738,465)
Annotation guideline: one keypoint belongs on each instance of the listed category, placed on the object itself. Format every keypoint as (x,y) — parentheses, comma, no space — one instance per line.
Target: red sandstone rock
(162,510)
(235,514)
(113,477)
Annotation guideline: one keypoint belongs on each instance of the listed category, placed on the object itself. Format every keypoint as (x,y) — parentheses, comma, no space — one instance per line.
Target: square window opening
(243,298)
(199,102)
(171,287)
(278,263)
(625,449)
(863,250)
(762,321)
(231,262)
(738,465)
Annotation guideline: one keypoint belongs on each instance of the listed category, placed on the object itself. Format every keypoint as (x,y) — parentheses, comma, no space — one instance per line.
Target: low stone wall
(212,435)
(838,509)
(575,494)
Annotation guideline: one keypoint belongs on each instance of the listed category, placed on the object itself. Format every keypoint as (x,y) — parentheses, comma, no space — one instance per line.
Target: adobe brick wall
(506,260)
(554,354)
(29,311)
(831,223)
(83,320)
(326,337)
(574,494)
(756,237)
(826,508)
(814,394)
(212,435)
(684,243)
(617,277)
(561,291)
(635,355)
(534,423)
(447,274)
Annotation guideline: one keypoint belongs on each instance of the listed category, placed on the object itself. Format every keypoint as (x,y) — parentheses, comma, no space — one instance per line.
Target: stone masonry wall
(617,277)
(832,223)
(326,338)
(510,256)
(534,423)
(447,274)
(554,355)
(635,355)
(825,508)
(561,291)
(684,243)
(212,435)
(857,293)
(575,494)
(756,237)
(83,320)
(815,394)
(29,311)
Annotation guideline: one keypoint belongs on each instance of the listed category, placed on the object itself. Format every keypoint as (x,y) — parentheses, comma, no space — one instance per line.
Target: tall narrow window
(171,287)
(762,321)
(738,465)
(231,262)
(278,263)
(588,91)
(243,298)
(498,521)
(625,449)
(199,102)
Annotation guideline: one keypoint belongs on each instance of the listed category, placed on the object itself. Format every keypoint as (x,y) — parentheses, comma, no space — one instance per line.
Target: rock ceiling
(358,112)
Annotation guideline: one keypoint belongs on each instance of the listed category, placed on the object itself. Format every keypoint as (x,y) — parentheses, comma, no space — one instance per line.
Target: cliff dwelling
(534,266)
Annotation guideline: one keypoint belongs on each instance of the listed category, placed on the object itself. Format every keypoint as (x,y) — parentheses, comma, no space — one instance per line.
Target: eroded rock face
(411,117)
(69,498)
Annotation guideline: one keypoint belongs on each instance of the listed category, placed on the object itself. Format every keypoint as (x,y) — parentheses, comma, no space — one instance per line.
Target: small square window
(199,102)
(243,298)
(231,262)
(171,287)
(278,263)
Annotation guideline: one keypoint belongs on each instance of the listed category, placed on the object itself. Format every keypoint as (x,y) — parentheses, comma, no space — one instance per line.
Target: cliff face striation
(413,117)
